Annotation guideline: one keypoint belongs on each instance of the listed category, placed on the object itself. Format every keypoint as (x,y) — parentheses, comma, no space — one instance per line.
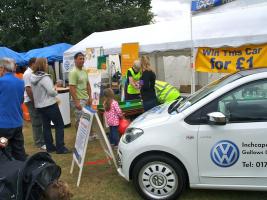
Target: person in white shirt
(37,126)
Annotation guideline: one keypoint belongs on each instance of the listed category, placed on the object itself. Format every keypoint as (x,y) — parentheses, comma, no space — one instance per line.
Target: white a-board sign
(88,118)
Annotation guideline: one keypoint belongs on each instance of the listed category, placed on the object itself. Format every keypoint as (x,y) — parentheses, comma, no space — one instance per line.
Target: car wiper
(175,105)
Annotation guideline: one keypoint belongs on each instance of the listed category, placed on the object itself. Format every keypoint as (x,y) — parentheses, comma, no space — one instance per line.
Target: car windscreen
(208,89)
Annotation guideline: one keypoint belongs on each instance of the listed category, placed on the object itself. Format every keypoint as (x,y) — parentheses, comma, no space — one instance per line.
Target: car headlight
(131,134)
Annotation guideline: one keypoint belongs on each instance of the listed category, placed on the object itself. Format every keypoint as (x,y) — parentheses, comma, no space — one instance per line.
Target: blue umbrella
(6,52)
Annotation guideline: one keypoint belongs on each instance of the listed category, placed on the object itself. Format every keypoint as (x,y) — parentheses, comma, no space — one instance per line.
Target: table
(129,108)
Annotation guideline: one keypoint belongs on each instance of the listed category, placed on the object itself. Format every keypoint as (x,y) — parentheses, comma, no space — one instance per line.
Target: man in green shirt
(80,88)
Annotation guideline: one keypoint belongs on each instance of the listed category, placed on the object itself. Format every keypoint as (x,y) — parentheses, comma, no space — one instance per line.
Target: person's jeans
(149,104)
(52,113)
(37,127)
(15,142)
(114,135)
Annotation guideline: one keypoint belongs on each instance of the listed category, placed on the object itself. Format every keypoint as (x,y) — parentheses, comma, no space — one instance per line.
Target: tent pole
(57,70)
(193,78)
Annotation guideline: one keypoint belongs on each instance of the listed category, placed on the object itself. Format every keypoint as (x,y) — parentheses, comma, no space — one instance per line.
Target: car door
(235,153)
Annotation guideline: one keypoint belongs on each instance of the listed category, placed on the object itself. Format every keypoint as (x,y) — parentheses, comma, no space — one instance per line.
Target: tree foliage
(28,24)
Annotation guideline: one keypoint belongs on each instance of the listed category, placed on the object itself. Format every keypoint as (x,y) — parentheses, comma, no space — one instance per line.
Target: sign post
(88,117)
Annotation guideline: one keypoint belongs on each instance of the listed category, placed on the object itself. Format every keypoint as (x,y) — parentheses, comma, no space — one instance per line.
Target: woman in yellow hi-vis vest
(133,77)
(165,92)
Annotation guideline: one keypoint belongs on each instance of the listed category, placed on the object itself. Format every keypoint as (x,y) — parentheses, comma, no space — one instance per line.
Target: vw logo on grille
(224,153)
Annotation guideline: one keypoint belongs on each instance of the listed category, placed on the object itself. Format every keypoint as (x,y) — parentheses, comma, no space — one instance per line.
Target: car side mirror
(217,118)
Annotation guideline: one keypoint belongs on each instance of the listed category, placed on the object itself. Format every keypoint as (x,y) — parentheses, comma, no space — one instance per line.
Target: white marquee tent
(155,37)
(234,26)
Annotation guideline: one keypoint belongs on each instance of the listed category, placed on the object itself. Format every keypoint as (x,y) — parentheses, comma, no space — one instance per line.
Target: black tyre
(159,177)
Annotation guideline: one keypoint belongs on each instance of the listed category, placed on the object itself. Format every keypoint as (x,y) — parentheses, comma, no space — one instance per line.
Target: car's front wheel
(159,177)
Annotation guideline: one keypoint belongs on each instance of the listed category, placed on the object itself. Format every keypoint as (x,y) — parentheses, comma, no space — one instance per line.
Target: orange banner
(129,53)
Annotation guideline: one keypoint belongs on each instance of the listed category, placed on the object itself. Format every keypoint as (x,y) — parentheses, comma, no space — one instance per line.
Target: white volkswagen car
(215,139)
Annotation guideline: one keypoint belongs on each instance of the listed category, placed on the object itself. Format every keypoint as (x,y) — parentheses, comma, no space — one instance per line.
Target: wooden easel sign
(84,130)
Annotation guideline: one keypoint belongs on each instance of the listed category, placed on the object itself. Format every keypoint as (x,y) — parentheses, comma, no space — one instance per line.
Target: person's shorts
(78,113)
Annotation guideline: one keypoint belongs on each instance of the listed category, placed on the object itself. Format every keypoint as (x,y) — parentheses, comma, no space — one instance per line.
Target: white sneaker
(43,147)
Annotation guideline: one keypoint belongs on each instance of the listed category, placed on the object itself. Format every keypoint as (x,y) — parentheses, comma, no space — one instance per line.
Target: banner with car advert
(198,5)
(229,60)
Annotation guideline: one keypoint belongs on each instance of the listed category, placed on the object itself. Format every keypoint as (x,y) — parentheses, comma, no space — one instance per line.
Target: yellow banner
(229,60)
(129,53)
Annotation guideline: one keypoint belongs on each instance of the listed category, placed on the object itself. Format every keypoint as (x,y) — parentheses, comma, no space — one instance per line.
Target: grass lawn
(102,182)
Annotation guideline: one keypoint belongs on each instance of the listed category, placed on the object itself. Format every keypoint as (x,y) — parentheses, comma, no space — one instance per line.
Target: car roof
(252,71)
